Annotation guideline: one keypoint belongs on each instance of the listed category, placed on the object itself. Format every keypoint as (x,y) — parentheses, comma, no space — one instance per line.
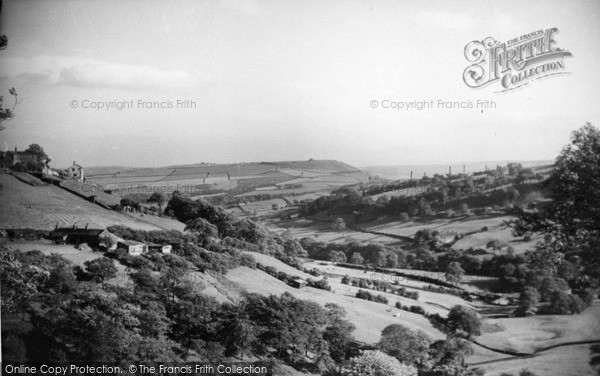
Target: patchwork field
(280,177)
(369,317)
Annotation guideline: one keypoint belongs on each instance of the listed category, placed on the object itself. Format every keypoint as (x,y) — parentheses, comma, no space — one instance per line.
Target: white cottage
(75,172)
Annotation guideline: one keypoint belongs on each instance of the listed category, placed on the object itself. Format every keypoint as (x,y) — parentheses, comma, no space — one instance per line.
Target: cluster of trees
(455,184)
(322,283)
(362,294)
(355,253)
(413,308)
(173,237)
(419,354)
(36,166)
(564,268)
(379,286)
(570,223)
(211,225)
(439,193)
(70,318)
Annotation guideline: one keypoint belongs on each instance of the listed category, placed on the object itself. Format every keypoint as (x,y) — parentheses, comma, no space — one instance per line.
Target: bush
(463,320)
(417,309)
(376,363)
(248,261)
(362,294)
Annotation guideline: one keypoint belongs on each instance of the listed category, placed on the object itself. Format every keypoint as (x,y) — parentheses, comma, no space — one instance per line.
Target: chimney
(86,225)
(15,148)
(74,162)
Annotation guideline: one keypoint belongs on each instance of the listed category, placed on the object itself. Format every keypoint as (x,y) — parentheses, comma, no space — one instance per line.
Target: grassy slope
(565,361)
(369,317)
(532,334)
(25,206)
(529,334)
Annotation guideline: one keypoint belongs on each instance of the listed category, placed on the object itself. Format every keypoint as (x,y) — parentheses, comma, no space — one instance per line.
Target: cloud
(445,20)
(82,72)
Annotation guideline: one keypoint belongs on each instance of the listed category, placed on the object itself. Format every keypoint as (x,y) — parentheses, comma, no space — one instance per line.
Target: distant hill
(234,169)
(402,172)
(238,178)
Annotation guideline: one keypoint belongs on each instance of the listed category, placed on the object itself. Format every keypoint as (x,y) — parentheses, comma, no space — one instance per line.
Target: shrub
(376,363)
(463,320)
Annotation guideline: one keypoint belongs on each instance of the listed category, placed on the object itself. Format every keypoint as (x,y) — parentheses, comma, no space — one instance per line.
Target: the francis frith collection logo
(515,63)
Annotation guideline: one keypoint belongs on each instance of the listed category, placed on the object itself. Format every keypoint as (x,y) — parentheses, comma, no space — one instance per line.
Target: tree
(42,157)
(464,321)
(572,217)
(407,345)
(159,198)
(6,113)
(238,331)
(550,285)
(62,280)
(357,259)
(449,352)
(338,332)
(338,224)
(376,363)
(101,269)
(203,229)
(528,300)
(454,272)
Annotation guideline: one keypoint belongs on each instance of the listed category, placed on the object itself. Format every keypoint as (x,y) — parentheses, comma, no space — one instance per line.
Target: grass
(369,317)
(321,174)
(425,297)
(25,206)
(77,257)
(564,361)
(529,334)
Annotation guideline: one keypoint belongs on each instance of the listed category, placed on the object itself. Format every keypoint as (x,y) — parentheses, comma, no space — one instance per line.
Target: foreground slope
(44,207)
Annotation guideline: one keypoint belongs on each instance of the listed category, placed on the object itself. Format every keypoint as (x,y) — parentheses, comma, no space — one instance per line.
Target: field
(534,335)
(45,207)
(531,335)
(249,178)
(76,256)
(369,317)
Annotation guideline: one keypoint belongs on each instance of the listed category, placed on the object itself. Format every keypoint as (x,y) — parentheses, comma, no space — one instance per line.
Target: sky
(286,80)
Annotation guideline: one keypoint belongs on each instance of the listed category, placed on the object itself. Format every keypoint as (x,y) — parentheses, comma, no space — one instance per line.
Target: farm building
(75,172)
(50,171)
(298,283)
(92,237)
(132,247)
(162,248)
(503,301)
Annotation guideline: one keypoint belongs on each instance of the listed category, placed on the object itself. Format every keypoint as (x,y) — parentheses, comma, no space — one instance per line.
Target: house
(132,247)
(50,171)
(92,237)
(162,248)
(298,283)
(503,301)
(75,172)
(10,158)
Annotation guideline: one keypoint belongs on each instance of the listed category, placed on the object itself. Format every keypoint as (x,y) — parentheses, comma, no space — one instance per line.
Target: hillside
(239,178)
(401,172)
(44,207)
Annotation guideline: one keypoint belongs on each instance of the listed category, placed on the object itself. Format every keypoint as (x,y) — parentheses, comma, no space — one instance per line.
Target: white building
(75,172)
